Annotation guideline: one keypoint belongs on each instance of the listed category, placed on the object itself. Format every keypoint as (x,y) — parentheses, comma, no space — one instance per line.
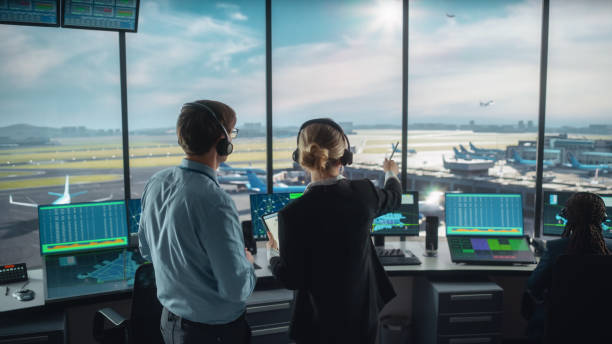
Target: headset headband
(224,146)
(347,156)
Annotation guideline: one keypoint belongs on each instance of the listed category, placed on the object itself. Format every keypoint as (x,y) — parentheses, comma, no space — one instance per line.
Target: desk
(439,265)
(9,303)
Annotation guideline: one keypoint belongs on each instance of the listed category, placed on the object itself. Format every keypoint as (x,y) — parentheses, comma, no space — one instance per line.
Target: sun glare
(387,15)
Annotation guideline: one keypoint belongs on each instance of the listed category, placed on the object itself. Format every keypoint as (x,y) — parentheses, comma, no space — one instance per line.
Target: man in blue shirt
(190,230)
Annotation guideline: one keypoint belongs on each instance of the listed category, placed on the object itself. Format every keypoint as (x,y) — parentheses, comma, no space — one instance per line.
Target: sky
(329,58)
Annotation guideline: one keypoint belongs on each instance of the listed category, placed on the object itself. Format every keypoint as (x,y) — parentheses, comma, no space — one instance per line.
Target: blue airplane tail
(575,163)
(463,150)
(516,156)
(254,182)
(472,147)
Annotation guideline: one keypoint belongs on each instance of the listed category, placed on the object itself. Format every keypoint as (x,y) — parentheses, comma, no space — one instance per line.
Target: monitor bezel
(483,235)
(416,199)
(68,26)
(57,18)
(40,244)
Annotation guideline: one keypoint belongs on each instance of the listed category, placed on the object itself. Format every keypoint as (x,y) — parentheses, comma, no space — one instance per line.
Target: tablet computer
(271,223)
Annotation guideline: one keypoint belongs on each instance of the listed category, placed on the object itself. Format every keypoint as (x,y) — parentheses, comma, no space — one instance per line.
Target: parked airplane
(485,150)
(519,160)
(577,164)
(226,168)
(257,185)
(467,155)
(64,198)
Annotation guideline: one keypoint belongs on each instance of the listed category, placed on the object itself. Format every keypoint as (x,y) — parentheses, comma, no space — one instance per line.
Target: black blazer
(541,278)
(326,254)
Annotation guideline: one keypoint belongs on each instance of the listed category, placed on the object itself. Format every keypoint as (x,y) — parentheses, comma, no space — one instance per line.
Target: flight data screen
(264,204)
(29,12)
(80,227)
(466,249)
(554,223)
(119,15)
(405,221)
(484,214)
(134,210)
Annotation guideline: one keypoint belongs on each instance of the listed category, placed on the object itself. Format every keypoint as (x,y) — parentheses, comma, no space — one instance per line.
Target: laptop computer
(483,228)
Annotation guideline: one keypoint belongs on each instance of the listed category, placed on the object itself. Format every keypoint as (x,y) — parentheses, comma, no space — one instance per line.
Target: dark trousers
(176,330)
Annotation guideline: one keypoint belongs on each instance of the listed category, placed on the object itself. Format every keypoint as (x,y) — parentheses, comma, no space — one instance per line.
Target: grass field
(58,181)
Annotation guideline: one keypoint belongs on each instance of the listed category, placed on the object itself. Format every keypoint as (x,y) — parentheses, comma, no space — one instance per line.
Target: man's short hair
(196,128)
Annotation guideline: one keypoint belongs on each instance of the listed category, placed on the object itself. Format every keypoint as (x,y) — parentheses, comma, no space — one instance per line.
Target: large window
(60,128)
(340,60)
(473,98)
(579,106)
(190,50)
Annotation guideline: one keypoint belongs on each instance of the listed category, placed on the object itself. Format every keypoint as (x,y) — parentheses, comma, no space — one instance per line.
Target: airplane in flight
(227,168)
(487,103)
(64,198)
(519,160)
(257,185)
(450,15)
(485,150)
(588,167)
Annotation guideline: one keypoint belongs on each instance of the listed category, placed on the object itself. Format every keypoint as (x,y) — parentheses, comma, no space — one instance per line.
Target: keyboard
(396,256)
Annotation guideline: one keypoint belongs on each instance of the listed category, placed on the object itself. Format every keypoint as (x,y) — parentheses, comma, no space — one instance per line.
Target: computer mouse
(24,294)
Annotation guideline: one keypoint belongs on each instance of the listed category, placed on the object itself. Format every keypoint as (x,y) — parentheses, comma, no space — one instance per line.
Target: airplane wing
(104,199)
(32,205)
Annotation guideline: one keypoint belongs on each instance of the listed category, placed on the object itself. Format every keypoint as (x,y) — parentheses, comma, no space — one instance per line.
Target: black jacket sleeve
(389,198)
(288,268)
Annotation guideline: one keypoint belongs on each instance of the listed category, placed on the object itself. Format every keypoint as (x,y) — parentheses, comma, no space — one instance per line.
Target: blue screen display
(484,214)
(263,204)
(29,12)
(82,227)
(120,15)
(405,221)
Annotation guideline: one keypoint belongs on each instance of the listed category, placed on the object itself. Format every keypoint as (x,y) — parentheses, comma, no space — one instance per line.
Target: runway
(19,240)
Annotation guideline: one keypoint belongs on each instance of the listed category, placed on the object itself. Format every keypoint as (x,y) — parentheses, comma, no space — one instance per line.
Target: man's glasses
(233,133)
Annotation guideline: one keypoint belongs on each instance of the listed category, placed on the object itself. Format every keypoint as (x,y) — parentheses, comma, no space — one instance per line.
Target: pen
(394,149)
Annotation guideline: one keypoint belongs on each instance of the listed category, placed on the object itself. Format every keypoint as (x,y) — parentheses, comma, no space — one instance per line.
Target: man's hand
(271,242)
(249,256)
(390,165)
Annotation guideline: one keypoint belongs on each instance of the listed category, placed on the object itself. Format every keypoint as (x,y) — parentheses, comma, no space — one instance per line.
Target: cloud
(232,11)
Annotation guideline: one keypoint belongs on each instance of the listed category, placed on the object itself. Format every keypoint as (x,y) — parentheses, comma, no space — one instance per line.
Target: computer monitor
(484,214)
(264,204)
(134,210)
(553,224)
(28,12)
(405,221)
(112,15)
(82,227)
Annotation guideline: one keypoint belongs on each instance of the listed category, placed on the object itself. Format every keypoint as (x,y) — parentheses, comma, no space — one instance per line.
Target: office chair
(143,325)
(579,303)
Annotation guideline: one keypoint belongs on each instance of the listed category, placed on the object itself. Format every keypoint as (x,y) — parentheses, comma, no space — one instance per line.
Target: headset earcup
(347,157)
(224,147)
(296,155)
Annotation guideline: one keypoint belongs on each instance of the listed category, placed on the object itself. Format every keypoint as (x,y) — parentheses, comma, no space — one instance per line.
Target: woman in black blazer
(326,253)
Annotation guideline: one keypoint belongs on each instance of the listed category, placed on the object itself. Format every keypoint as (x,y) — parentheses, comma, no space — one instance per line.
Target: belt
(172,316)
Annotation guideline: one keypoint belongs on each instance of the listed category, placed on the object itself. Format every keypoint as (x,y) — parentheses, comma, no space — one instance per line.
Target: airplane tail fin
(575,163)
(455,150)
(516,156)
(67,186)
(254,182)
(472,147)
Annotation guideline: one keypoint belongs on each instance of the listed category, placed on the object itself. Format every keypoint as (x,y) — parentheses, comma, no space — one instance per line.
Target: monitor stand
(379,241)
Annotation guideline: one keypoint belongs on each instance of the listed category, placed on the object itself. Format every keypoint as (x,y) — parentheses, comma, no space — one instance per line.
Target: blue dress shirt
(189,229)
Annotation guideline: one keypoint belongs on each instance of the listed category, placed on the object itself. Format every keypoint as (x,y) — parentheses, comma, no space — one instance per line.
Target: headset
(224,146)
(345,159)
